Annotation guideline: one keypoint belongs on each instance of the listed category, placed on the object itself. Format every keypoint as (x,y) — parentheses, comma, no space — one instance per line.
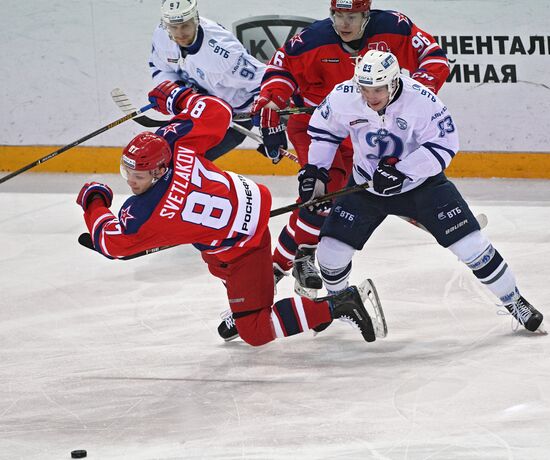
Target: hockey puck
(78,454)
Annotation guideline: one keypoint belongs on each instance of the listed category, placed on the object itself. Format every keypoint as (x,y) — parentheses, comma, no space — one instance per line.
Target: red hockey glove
(92,190)
(273,131)
(169,97)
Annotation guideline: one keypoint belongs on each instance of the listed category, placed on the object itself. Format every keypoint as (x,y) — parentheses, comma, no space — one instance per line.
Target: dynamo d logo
(262,35)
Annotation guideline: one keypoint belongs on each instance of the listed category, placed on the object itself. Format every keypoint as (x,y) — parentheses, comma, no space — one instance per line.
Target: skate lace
(306,265)
(278,274)
(520,312)
(227,317)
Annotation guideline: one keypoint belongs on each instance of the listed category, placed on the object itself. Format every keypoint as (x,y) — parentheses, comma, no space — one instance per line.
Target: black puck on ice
(78,454)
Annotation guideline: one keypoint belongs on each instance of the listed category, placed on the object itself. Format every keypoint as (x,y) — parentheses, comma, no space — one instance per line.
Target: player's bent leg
(295,315)
(227,329)
(286,247)
(334,258)
(490,268)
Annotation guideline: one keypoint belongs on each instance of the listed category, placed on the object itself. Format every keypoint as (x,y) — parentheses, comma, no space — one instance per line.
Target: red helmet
(145,152)
(350,6)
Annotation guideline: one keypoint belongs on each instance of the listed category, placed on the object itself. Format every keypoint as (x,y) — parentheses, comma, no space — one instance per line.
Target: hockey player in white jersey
(196,52)
(403,139)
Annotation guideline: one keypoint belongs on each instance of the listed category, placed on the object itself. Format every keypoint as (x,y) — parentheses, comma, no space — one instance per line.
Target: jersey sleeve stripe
(428,50)
(364,174)
(270,81)
(99,223)
(278,72)
(432,148)
(312,130)
(434,61)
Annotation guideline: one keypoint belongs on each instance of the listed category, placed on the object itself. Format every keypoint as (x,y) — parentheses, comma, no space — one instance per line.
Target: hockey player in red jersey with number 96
(304,70)
(182,198)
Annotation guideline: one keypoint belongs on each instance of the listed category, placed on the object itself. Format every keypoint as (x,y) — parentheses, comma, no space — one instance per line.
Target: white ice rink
(123,358)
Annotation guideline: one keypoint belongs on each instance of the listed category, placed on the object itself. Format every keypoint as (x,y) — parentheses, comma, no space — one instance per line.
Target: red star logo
(125,216)
(169,129)
(401,17)
(296,39)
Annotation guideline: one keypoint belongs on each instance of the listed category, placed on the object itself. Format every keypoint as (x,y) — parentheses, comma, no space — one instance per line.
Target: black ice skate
(526,315)
(367,291)
(349,306)
(308,280)
(278,274)
(227,328)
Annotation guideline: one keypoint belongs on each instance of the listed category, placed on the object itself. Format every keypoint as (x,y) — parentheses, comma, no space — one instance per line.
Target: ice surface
(123,358)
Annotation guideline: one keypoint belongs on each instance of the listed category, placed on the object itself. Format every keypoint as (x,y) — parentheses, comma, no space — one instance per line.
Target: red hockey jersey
(312,62)
(195,202)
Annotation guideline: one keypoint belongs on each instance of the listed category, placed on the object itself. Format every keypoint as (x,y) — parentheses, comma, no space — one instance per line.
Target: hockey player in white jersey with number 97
(403,139)
(193,51)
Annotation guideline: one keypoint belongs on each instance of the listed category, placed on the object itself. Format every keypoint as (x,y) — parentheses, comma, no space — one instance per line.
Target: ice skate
(278,274)
(227,328)
(308,280)
(349,306)
(526,315)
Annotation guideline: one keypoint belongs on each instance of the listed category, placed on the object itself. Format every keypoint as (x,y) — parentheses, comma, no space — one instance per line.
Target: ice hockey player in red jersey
(304,70)
(182,198)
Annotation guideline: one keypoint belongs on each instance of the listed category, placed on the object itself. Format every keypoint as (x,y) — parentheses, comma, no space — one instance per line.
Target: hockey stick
(127,117)
(123,102)
(86,240)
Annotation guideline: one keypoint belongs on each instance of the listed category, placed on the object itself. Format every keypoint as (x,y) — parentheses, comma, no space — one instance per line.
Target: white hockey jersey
(216,64)
(417,128)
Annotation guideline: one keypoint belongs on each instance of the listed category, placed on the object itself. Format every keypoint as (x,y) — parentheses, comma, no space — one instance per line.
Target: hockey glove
(169,97)
(92,190)
(273,131)
(387,179)
(313,183)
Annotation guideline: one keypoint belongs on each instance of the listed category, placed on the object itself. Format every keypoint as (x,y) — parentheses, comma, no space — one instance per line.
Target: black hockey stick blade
(85,239)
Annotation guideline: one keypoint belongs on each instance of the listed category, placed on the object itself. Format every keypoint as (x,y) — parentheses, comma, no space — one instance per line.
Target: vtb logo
(263,35)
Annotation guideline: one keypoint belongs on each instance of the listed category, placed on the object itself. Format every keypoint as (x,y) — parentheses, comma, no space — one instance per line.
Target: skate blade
(229,339)
(482,220)
(368,291)
(304,291)
(541,330)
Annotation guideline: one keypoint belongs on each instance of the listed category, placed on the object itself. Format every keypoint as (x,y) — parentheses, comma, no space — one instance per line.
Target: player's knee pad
(470,247)
(477,252)
(334,259)
(255,328)
(332,253)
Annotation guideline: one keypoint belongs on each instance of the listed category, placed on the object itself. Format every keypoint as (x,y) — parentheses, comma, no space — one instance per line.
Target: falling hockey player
(182,198)
(404,138)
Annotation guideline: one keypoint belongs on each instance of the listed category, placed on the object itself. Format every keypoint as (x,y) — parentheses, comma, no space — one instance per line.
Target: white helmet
(378,68)
(176,12)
